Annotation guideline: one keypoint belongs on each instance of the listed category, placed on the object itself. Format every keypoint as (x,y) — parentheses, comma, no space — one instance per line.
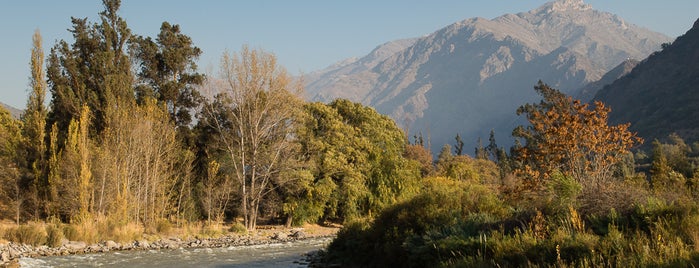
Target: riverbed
(284,254)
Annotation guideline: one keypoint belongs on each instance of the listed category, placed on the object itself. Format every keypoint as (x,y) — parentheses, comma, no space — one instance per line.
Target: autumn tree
(12,193)
(254,118)
(140,164)
(571,137)
(34,128)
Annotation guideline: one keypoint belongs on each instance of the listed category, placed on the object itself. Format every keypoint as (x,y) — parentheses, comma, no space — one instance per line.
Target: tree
(421,155)
(480,152)
(140,164)
(254,118)
(356,159)
(568,136)
(499,155)
(94,71)
(12,192)
(168,71)
(34,126)
(459,146)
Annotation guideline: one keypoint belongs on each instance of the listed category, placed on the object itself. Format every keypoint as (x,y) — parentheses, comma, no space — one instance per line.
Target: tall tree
(34,125)
(254,118)
(11,189)
(168,71)
(95,70)
(568,136)
(459,146)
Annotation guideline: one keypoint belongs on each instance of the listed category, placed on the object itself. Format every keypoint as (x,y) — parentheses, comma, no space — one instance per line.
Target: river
(288,254)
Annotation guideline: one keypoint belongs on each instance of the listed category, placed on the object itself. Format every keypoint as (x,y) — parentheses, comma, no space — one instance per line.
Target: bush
(54,235)
(163,226)
(435,226)
(237,227)
(31,234)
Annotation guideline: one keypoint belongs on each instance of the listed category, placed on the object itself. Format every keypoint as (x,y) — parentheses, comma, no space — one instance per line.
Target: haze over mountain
(588,92)
(471,76)
(660,96)
(16,113)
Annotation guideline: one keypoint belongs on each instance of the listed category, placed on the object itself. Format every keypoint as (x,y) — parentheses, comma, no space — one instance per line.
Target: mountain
(661,94)
(16,113)
(341,80)
(471,76)
(588,92)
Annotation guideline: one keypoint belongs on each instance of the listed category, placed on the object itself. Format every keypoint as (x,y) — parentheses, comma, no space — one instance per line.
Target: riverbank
(11,252)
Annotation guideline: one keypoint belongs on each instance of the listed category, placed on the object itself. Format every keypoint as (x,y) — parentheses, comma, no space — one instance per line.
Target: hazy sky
(306,35)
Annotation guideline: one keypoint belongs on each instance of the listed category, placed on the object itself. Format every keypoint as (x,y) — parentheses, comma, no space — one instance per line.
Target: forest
(134,139)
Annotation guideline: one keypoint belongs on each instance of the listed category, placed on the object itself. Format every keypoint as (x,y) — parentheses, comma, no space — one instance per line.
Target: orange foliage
(568,136)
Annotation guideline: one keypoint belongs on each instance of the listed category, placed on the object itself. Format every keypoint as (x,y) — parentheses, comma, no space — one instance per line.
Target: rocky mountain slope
(660,95)
(471,76)
(588,92)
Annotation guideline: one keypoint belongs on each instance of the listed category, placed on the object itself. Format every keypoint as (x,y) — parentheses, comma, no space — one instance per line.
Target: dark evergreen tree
(459,146)
(168,72)
(95,70)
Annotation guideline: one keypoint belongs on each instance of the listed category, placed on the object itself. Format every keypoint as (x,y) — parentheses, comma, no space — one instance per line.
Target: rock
(169,243)
(4,256)
(111,244)
(279,236)
(298,234)
(75,245)
(142,244)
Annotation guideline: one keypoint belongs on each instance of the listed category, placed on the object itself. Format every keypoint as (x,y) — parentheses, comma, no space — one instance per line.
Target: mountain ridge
(660,95)
(475,67)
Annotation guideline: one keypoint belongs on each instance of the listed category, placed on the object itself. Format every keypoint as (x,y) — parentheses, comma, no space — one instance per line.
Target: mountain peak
(564,5)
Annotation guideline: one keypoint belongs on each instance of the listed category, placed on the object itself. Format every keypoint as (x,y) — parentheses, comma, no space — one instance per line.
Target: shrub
(31,234)
(237,227)
(54,235)
(163,226)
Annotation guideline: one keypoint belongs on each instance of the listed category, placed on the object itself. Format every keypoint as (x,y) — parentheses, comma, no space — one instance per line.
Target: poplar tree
(34,128)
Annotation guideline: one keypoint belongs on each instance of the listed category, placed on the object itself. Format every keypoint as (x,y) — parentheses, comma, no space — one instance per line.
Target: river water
(289,254)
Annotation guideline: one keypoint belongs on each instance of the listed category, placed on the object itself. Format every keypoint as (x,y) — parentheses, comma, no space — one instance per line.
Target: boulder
(279,236)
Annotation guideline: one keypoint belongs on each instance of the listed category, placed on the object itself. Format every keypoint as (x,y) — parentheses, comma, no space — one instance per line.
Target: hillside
(470,77)
(661,95)
(588,92)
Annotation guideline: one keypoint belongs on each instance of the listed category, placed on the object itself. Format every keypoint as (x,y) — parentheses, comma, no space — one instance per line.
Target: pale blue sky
(306,35)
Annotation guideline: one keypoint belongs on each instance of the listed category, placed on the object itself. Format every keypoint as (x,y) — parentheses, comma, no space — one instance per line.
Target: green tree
(168,71)
(357,161)
(661,174)
(459,146)
(95,70)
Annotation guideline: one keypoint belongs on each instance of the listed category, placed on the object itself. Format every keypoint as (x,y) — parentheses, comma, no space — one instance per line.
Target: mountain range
(470,77)
(660,96)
